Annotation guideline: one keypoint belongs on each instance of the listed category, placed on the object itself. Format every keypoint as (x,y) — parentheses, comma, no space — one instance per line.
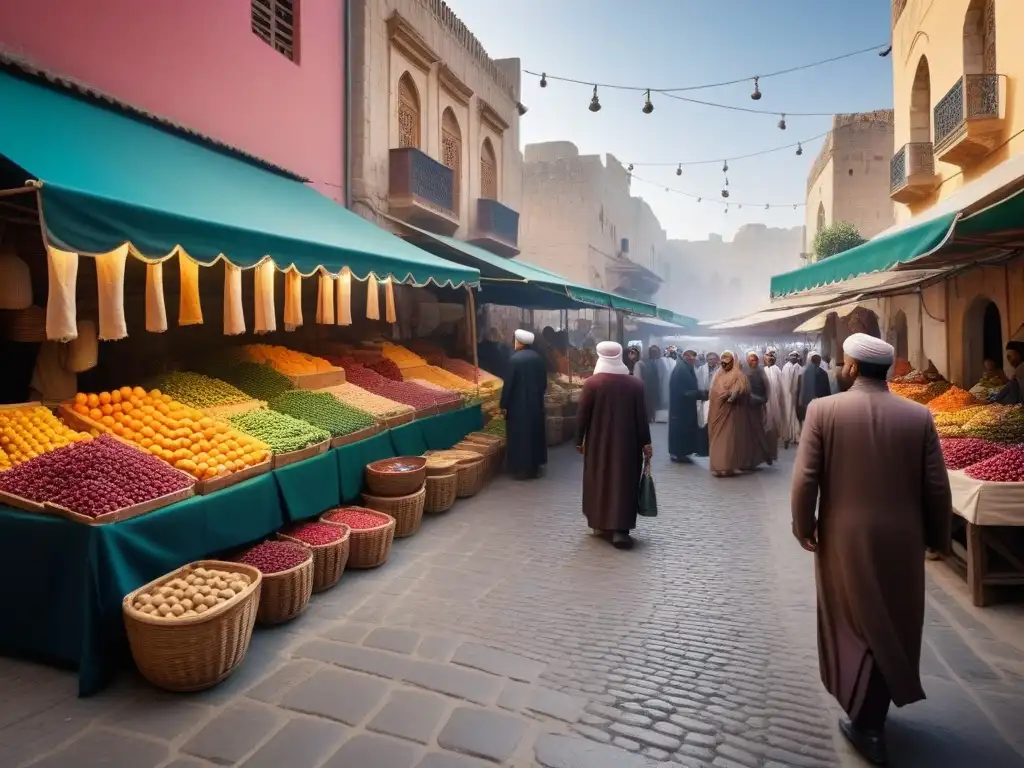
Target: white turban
(524,337)
(867,349)
(609,355)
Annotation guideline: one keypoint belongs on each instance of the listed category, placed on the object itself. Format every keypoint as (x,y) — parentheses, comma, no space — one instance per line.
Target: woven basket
(440,466)
(471,478)
(368,547)
(328,559)
(286,593)
(383,481)
(442,490)
(406,510)
(198,652)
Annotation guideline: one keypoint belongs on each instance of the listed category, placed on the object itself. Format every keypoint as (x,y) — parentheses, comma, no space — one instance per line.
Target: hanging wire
(705,198)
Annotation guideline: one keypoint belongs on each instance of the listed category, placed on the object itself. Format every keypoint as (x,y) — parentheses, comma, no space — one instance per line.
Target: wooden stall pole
(471,309)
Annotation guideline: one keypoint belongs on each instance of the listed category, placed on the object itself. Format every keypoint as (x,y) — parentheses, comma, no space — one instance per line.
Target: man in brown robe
(760,444)
(871,463)
(728,419)
(614,436)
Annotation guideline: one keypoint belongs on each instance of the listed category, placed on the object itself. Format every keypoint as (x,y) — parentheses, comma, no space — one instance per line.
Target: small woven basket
(286,593)
(442,491)
(367,547)
(437,465)
(406,510)
(198,652)
(328,559)
(471,478)
(383,481)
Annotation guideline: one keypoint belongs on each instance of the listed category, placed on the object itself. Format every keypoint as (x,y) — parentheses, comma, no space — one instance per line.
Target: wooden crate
(205,487)
(430,410)
(354,437)
(19,406)
(454,405)
(126,513)
(319,380)
(291,457)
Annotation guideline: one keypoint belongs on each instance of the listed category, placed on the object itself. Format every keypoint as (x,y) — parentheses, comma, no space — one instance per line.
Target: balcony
(421,191)
(497,227)
(912,174)
(969,120)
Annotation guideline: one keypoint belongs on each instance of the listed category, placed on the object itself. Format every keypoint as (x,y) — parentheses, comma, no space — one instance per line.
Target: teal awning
(110,177)
(683,321)
(878,255)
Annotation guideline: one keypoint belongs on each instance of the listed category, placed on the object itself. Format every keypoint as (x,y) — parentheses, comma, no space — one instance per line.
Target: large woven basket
(198,652)
(286,593)
(328,559)
(471,478)
(368,547)
(442,491)
(489,452)
(436,465)
(406,510)
(383,480)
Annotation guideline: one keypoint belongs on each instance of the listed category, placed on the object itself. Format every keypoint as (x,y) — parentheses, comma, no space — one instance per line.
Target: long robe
(776,416)
(790,398)
(728,432)
(871,463)
(705,375)
(522,397)
(612,427)
(647,371)
(665,367)
(813,384)
(759,446)
(684,395)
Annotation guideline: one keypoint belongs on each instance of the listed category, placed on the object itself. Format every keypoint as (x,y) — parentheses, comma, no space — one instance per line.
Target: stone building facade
(434,123)
(580,220)
(849,180)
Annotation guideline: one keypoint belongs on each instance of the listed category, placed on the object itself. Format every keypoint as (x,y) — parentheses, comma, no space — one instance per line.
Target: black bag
(647,499)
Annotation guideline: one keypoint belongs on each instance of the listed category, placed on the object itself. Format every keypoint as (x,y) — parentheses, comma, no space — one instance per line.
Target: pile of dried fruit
(368,402)
(956,418)
(286,360)
(198,592)
(257,380)
(275,556)
(913,376)
(32,431)
(405,358)
(953,399)
(94,477)
(399,391)
(387,368)
(1005,467)
(999,423)
(439,376)
(962,452)
(316,534)
(281,432)
(198,390)
(465,370)
(322,410)
(920,393)
(357,518)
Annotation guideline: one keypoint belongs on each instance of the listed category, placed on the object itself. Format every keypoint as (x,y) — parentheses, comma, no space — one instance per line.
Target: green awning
(110,177)
(683,321)
(878,255)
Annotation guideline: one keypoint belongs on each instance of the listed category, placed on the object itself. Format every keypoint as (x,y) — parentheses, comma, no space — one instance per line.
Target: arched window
(451,151)
(821,217)
(921,104)
(979,46)
(488,171)
(408,113)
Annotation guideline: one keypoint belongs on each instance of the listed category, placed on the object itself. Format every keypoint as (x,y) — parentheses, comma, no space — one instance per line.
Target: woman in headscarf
(632,358)
(647,371)
(763,447)
(728,419)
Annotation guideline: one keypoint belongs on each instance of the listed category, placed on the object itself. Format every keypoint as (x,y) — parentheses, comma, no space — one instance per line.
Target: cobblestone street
(504,633)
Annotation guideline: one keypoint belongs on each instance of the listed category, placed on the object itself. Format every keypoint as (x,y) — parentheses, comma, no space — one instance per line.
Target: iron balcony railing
(415,173)
(497,219)
(973,96)
(910,160)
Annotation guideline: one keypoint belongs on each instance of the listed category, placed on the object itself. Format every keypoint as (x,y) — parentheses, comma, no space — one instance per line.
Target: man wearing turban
(1013,392)
(522,399)
(870,464)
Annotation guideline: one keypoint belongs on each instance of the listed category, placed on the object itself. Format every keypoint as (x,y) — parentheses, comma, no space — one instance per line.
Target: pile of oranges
(32,431)
(182,436)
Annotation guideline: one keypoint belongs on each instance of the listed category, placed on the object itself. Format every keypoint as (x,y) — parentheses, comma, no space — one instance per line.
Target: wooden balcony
(912,174)
(421,191)
(497,227)
(969,120)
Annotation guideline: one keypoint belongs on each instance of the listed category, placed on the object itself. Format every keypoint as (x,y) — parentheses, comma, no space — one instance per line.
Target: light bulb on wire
(782,122)
(648,106)
(799,149)
(595,103)
(543,79)
(630,168)
(756,95)
(725,166)
(679,170)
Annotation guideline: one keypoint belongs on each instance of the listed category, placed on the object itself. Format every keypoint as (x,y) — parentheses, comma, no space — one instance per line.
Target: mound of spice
(316,534)
(357,518)
(953,399)
(275,556)
(387,368)
(962,452)
(1004,467)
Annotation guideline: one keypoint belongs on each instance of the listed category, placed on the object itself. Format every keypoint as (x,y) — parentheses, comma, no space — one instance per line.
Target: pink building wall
(198,63)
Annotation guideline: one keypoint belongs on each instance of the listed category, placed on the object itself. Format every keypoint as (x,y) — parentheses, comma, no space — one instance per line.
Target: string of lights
(724,201)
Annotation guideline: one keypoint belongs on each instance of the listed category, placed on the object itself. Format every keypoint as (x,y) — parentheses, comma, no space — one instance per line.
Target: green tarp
(683,321)
(72,617)
(110,177)
(878,255)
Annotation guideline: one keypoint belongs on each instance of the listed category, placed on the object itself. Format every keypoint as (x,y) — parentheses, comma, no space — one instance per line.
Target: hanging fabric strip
(389,301)
(61,309)
(292,300)
(190,310)
(110,293)
(325,300)
(344,309)
(156,311)
(372,299)
(265,317)
(234,317)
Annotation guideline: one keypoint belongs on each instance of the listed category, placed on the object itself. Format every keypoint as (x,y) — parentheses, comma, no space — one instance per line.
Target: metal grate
(488,172)
(973,96)
(273,21)
(989,61)
(451,152)
(433,182)
(898,169)
(408,114)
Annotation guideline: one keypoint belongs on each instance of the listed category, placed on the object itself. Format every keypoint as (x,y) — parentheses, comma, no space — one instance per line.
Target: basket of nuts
(189,629)
(287,569)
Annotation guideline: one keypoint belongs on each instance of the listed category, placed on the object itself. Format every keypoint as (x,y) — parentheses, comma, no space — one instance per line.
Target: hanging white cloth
(325,299)
(190,309)
(234,316)
(389,301)
(292,300)
(344,309)
(156,311)
(110,293)
(265,315)
(61,307)
(372,299)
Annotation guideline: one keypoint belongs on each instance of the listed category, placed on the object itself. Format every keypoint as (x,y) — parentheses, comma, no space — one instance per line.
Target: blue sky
(675,43)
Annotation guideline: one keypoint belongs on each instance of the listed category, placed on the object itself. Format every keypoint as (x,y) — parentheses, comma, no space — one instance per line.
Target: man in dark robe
(614,436)
(814,383)
(1013,392)
(522,399)
(870,463)
(648,372)
(493,355)
(684,395)
(759,447)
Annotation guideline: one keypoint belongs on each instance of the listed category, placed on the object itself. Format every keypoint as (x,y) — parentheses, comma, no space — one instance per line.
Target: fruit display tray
(223,411)
(204,487)
(319,380)
(291,457)
(354,437)
(125,513)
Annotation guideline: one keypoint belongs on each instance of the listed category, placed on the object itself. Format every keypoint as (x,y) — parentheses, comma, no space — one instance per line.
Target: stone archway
(983,337)
(899,332)
(921,104)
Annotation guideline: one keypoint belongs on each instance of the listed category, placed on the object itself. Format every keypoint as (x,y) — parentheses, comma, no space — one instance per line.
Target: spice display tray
(422,413)
(204,487)
(19,502)
(291,457)
(354,437)
(319,380)
(82,423)
(387,421)
(454,405)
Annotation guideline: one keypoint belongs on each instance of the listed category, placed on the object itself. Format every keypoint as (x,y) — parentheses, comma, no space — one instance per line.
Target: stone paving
(504,634)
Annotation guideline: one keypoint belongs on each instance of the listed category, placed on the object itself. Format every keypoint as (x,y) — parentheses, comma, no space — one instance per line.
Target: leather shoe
(869,744)
(622,541)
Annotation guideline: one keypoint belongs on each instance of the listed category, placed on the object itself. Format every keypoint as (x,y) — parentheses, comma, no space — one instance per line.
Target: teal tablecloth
(69,612)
